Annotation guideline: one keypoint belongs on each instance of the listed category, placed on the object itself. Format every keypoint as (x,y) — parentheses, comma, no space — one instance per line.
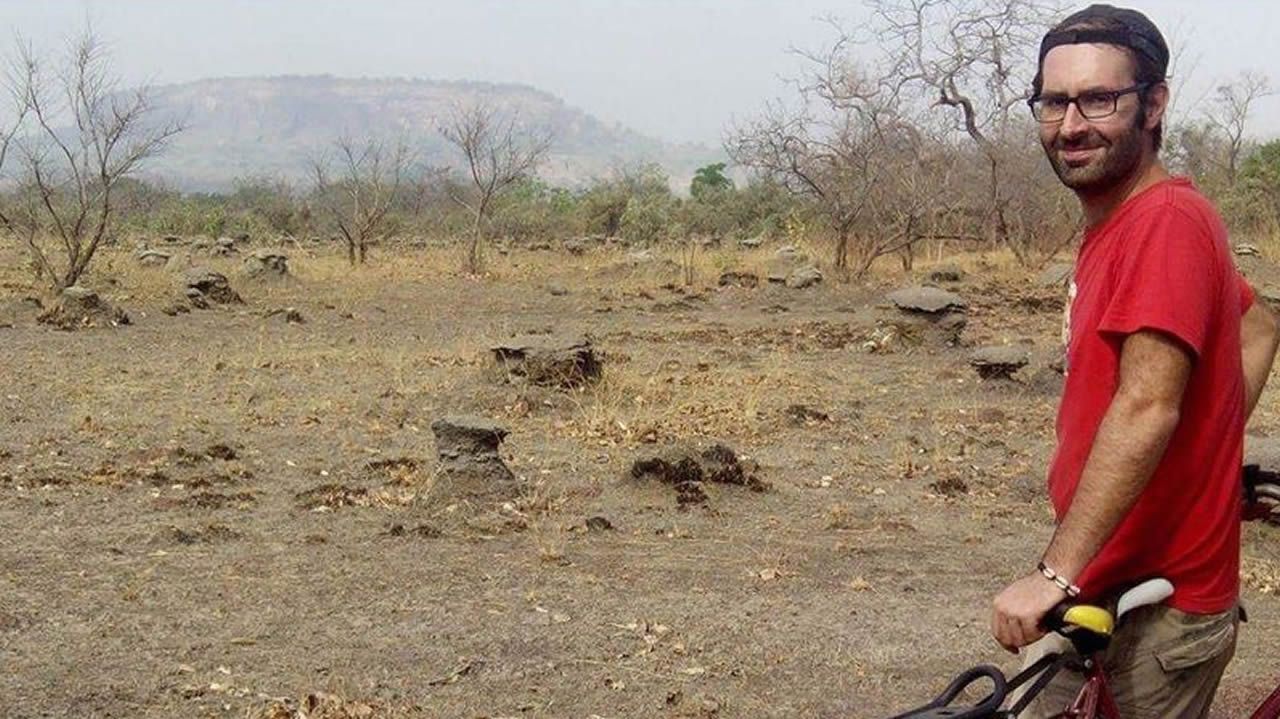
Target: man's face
(1093,156)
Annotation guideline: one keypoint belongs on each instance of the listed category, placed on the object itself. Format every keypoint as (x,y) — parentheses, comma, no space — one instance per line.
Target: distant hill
(273,125)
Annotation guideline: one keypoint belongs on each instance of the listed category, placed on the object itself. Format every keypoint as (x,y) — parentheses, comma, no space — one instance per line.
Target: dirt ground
(222,513)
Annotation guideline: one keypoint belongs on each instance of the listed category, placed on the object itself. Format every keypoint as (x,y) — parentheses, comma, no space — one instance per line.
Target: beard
(1113,161)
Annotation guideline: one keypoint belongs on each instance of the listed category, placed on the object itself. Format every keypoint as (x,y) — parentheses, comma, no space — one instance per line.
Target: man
(1167,354)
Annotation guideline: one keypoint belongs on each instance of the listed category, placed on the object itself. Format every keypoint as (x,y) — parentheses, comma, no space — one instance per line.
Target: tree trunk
(351,252)
(364,250)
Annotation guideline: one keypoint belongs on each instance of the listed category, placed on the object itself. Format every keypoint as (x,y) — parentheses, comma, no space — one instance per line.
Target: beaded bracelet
(1060,581)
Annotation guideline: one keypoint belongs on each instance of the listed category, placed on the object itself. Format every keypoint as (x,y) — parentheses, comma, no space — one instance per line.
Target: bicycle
(1089,629)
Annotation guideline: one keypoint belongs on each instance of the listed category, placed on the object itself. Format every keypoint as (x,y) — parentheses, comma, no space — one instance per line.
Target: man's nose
(1074,124)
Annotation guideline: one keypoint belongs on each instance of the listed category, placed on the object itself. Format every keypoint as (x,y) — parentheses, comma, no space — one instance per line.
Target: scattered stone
(1058,274)
(224,247)
(171,240)
(803,277)
(949,487)
(424,531)
(266,264)
(289,314)
(176,308)
(205,287)
(801,414)
(221,452)
(209,534)
(79,307)
(469,459)
(790,252)
(549,361)
(734,278)
(926,300)
(946,273)
(687,469)
(575,247)
(153,258)
(599,524)
(750,243)
(557,290)
(1245,249)
(998,362)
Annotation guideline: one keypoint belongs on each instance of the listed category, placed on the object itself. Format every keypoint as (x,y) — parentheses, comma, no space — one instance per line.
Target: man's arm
(1130,442)
(1259,337)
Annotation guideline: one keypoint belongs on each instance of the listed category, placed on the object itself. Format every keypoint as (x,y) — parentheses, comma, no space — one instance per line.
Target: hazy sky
(676,69)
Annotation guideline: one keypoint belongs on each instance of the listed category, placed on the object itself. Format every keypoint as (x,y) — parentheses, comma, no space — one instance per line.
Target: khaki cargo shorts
(1162,664)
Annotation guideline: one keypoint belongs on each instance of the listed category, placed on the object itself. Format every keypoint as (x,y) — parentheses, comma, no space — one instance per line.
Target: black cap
(1114,26)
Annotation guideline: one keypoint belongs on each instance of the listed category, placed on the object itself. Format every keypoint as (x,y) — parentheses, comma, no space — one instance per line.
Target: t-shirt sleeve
(1247,296)
(1166,279)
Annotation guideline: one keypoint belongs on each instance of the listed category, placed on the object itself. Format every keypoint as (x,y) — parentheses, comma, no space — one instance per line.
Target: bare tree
(1229,115)
(497,155)
(358,193)
(971,59)
(76,136)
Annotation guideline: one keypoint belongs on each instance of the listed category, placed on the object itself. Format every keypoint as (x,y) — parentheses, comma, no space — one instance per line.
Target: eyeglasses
(1092,105)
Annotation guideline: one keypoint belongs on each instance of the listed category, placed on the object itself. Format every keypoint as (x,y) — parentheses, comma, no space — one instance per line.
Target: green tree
(1260,174)
(709,181)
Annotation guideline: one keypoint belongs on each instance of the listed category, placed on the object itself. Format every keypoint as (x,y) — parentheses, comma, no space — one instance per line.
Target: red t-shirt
(1161,262)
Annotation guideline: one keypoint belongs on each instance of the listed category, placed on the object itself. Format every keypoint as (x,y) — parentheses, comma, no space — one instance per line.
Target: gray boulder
(203,287)
(926,300)
(998,362)
(548,360)
(267,264)
(153,258)
(469,460)
(79,307)
(803,277)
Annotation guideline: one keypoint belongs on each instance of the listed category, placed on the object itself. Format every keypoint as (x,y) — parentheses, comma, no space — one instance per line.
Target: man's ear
(1157,99)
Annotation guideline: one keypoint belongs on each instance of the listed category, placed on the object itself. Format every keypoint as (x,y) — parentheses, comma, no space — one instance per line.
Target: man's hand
(1017,611)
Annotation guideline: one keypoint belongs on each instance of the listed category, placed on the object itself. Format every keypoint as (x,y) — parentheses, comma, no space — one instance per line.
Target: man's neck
(1099,207)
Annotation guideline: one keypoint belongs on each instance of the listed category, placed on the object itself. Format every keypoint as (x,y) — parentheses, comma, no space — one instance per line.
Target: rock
(557,290)
(1058,274)
(266,264)
(290,315)
(926,300)
(224,247)
(203,287)
(750,243)
(946,273)
(734,278)
(599,524)
(803,277)
(998,362)
(640,256)
(549,361)
(176,308)
(802,414)
(468,451)
(575,247)
(790,252)
(79,307)
(153,258)
(1245,249)
(171,240)
(688,468)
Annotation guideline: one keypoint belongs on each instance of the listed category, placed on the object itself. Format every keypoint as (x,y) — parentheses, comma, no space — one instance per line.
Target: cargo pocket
(1202,639)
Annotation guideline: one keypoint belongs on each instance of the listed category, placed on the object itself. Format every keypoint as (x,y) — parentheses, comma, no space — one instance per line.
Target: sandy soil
(166,552)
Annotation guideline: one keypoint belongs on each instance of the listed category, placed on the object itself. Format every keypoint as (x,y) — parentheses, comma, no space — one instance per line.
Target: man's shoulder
(1179,199)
